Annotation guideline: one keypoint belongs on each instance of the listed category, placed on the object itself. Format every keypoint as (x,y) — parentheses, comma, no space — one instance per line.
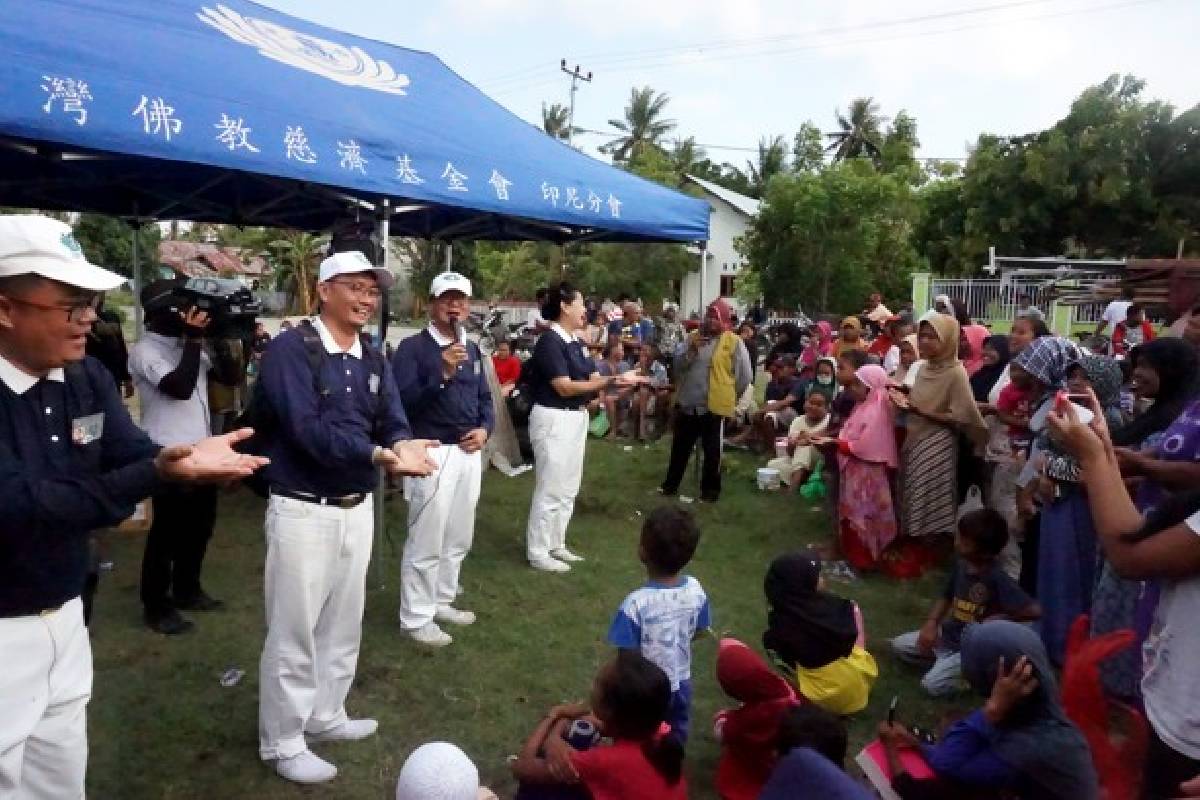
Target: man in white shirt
(1115,312)
(535,324)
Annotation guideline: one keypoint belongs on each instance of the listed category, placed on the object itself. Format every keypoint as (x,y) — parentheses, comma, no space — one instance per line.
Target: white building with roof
(731,216)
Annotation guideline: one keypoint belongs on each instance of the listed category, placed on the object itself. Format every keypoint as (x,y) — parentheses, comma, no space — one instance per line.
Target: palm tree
(772,160)
(861,134)
(643,125)
(556,121)
(688,158)
(297,255)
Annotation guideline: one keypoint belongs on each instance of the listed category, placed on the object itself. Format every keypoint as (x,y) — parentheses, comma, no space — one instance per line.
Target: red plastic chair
(1116,732)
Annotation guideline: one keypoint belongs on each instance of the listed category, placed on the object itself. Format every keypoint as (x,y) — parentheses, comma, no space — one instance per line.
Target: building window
(727,285)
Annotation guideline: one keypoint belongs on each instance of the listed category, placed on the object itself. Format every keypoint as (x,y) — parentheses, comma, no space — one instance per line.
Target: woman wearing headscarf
(850,337)
(972,467)
(940,406)
(1066,547)
(910,361)
(973,336)
(817,634)
(819,346)
(747,733)
(866,452)
(787,343)
(1020,742)
(1160,449)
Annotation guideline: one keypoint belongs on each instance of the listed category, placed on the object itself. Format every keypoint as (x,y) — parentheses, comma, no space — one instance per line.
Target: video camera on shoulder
(232,308)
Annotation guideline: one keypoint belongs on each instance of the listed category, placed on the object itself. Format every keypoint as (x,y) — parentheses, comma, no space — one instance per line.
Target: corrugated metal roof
(200,260)
(747,205)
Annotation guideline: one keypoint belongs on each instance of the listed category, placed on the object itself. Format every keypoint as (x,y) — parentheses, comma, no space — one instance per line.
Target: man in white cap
(444,388)
(336,417)
(71,461)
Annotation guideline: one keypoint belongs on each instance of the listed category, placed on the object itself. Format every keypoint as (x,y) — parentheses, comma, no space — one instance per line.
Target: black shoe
(708,498)
(201,602)
(665,492)
(168,624)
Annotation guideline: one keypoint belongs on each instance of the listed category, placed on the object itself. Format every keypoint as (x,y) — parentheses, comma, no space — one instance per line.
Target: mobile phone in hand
(891,718)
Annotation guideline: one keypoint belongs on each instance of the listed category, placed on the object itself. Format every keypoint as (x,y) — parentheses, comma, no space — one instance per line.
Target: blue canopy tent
(232,112)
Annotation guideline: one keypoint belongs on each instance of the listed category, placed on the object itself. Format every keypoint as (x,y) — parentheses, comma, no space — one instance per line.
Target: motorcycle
(496,330)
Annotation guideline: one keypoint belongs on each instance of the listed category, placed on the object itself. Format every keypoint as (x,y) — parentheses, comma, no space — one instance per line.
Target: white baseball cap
(353,262)
(35,245)
(449,282)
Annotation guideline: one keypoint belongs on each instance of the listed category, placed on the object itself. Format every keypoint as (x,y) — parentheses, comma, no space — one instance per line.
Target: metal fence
(991,299)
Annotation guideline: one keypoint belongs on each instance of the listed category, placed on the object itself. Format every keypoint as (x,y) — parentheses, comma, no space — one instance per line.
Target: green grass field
(162,726)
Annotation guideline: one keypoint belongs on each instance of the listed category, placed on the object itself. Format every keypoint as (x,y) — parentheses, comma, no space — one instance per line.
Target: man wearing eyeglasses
(336,418)
(71,460)
(444,387)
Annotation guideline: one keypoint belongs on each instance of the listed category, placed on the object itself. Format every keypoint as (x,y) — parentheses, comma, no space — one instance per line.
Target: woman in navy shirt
(563,379)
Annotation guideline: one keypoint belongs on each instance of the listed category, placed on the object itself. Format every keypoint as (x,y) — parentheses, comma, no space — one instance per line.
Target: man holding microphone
(71,461)
(442,382)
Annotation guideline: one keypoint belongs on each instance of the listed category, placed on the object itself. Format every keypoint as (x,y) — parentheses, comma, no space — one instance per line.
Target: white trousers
(558,437)
(315,581)
(441,525)
(45,684)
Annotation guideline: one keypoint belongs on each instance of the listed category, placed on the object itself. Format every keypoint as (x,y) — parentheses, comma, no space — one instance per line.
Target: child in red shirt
(508,367)
(1135,331)
(1014,406)
(748,733)
(630,697)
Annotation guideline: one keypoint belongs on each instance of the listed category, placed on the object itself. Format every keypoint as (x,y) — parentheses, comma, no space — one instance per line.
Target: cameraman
(71,461)
(170,368)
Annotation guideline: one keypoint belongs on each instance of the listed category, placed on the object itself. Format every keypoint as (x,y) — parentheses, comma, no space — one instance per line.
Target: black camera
(232,308)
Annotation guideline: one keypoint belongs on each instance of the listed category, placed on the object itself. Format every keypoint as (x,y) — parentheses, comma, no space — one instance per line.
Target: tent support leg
(135,229)
(703,276)
(376,577)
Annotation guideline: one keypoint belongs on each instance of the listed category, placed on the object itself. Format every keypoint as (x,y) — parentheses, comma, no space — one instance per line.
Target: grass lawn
(162,726)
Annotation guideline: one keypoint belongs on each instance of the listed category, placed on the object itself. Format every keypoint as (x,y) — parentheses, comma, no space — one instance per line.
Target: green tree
(108,241)
(688,158)
(771,161)
(643,126)
(297,256)
(860,132)
(899,149)
(556,122)
(827,239)
(808,148)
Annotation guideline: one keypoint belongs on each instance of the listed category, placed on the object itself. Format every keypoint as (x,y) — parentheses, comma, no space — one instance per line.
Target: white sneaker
(431,635)
(563,554)
(349,731)
(550,565)
(306,767)
(453,615)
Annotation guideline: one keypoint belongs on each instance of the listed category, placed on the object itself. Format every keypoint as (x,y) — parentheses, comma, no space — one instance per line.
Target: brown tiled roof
(198,259)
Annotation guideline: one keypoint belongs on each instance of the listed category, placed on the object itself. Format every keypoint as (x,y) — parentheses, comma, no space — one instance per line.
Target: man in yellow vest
(714,369)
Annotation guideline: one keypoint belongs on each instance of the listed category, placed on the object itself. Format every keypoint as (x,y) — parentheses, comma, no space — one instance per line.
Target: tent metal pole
(381,484)
(135,226)
(449,254)
(703,277)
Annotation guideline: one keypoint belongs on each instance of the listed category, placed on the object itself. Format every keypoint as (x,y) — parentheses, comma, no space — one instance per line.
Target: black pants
(183,523)
(689,428)
(1165,769)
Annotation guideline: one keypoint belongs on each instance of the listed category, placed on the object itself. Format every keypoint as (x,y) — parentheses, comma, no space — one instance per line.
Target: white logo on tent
(347,65)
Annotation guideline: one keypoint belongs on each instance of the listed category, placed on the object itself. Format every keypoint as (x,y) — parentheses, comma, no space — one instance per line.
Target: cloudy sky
(740,69)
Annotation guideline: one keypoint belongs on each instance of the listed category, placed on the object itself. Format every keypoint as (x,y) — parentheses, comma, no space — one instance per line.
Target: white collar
(21,381)
(442,341)
(331,346)
(562,332)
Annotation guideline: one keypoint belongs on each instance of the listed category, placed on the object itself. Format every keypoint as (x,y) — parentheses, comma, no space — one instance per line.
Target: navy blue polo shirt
(437,408)
(322,444)
(58,481)
(554,357)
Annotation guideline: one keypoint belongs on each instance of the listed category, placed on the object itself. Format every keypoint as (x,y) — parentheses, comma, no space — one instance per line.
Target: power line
(618,56)
(669,61)
(742,148)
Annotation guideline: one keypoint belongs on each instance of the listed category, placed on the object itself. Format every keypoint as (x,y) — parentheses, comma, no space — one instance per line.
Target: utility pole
(576,76)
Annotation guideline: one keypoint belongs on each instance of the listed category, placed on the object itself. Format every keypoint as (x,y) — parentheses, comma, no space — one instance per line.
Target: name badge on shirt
(85,430)
(373,384)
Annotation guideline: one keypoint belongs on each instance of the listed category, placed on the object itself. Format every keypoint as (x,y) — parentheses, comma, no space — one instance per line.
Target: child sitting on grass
(748,733)
(795,468)
(661,618)
(630,698)
(818,635)
(977,590)
(812,759)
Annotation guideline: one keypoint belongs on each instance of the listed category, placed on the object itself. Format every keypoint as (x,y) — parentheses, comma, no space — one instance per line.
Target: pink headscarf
(819,347)
(870,430)
(722,311)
